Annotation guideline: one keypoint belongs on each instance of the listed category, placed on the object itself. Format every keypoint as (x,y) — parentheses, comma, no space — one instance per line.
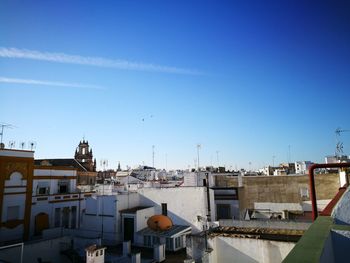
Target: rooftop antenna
(166,162)
(32,145)
(2,126)
(12,144)
(198,148)
(289,154)
(153,155)
(104,164)
(23,144)
(339,144)
(217,157)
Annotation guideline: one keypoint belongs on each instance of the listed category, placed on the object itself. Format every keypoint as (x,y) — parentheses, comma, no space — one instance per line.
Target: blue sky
(245,78)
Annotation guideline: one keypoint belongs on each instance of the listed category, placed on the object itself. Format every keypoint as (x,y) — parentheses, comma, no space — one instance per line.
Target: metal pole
(312,182)
(198,147)
(22,248)
(2,132)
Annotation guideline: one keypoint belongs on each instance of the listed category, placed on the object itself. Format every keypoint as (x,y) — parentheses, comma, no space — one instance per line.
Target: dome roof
(159,223)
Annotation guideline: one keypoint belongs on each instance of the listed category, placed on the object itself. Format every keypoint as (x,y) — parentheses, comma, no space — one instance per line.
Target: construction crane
(339,146)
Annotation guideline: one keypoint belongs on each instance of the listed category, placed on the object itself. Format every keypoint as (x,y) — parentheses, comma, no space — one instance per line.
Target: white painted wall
(112,204)
(54,172)
(49,208)
(44,206)
(250,250)
(16,153)
(101,211)
(141,222)
(341,212)
(184,203)
(17,200)
(13,200)
(7,234)
(277,207)
(47,250)
(53,183)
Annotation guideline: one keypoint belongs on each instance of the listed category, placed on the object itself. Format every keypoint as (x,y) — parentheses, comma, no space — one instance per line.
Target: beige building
(278,189)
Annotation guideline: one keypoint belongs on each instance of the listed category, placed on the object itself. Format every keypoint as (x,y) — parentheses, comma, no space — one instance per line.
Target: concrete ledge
(310,247)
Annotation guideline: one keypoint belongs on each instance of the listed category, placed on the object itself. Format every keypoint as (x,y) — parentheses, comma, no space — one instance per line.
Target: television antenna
(217,158)
(32,145)
(153,155)
(12,144)
(339,145)
(23,144)
(2,126)
(198,148)
(104,164)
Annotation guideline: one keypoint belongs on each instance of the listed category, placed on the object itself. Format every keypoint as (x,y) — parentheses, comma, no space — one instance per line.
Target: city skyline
(247,80)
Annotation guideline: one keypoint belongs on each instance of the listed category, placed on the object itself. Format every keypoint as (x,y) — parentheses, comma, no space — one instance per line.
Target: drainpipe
(312,182)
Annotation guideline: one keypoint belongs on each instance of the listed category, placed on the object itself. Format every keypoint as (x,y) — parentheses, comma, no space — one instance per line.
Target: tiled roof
(173,231)
(71,162)
(291,235)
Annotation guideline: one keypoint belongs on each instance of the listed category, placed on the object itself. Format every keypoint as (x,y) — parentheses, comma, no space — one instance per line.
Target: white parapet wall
(250,250)
(184,204)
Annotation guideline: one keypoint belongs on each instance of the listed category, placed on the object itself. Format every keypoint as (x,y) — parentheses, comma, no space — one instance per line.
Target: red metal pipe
(312,182)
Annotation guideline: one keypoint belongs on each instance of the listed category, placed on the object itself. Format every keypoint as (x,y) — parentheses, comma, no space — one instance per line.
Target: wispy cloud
(92,61)
(47,83)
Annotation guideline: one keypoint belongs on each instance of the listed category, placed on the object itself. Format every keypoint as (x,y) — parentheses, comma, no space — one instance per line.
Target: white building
(56,201)
(34,198)
(110,213)
(302,167)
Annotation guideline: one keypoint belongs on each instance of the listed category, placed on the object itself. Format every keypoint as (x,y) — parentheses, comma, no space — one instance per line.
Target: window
(57,217)
(12,212)
(74,217)
(304,192)
(43,188)
(178,242)
(147,241)
(65,217)
(223,211)
(63,187)
(169,243)
(155,240)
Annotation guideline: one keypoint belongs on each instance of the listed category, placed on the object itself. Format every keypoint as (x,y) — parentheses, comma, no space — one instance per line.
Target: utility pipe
(312,182)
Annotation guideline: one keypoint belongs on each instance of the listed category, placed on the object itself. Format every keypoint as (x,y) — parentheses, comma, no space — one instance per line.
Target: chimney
(159,253)
(136,258)
(164,209)
(126,248)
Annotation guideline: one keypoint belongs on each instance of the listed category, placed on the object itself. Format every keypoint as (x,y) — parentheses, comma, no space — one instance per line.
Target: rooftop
(133,210)
(69,162)
(328,238)
(171,232)
(290,235)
